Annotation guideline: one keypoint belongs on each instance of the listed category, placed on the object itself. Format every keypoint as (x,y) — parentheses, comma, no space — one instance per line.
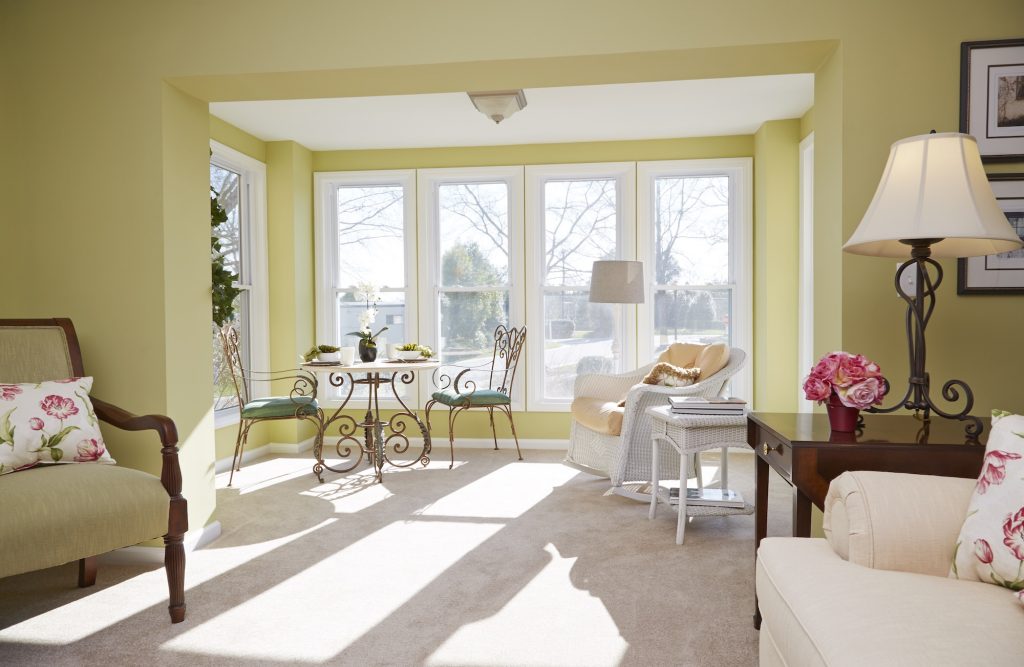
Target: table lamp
(617,281)
(934,200)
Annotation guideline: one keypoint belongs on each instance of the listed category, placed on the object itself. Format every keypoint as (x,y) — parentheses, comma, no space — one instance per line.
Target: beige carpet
(496,562)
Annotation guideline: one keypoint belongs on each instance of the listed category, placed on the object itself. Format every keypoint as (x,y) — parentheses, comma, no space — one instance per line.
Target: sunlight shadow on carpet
(106,607)
(506,493)
(533,628)
(400,559)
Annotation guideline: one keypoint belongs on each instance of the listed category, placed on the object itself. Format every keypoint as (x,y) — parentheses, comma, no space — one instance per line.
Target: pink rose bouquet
(856,381)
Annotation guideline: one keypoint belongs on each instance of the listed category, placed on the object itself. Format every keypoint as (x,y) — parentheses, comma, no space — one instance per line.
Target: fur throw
(668,375)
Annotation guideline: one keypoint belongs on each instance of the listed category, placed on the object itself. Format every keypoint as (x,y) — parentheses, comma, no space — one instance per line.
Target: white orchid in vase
(367,293)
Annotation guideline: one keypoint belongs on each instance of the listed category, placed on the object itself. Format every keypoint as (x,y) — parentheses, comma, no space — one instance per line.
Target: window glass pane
(473,233)
(579,227)
(370,235)
(226,184)
(577,339)
(390,314)
(692,316)
(468,321)
(224,397)
(691,230)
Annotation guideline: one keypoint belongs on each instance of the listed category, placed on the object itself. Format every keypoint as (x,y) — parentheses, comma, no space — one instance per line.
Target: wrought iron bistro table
(378,434)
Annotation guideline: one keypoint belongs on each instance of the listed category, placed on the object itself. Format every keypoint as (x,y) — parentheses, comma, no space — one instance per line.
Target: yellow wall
(776,263)
(85,88)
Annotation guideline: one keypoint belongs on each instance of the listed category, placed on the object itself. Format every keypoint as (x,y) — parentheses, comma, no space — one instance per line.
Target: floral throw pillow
(991,543)
(49,422)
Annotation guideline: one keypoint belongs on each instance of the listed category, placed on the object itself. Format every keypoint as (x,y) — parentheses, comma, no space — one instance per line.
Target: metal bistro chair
(501,373)
(299,404)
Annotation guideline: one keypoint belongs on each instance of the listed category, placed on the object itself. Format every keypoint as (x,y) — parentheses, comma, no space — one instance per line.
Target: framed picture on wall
(992,97)
(1003,273)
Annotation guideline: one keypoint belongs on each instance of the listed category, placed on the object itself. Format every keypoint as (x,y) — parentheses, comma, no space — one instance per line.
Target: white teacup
(347,355)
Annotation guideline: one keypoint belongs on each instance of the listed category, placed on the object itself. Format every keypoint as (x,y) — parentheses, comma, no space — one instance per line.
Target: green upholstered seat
(55,514)
(279,406)
(475,398)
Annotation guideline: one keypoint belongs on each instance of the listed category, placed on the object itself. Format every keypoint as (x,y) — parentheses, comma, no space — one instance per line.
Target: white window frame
(428,183)
(805,293)
(624,174)
(253,230)
(741,225)
(325,206)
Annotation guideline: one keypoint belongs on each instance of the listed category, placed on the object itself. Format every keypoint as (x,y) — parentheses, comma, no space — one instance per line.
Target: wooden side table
(688,435)
(805,452)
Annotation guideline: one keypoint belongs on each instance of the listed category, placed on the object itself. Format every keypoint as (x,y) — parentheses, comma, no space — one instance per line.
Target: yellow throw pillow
(683,355)
(712,359)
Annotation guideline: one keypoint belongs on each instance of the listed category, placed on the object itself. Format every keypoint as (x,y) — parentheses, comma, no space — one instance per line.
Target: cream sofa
(875,591)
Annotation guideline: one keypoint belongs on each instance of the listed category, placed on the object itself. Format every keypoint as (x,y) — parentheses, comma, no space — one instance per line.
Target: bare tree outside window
(691,245)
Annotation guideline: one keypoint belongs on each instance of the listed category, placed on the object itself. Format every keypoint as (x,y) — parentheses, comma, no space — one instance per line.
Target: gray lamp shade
(617,281)
(934,187)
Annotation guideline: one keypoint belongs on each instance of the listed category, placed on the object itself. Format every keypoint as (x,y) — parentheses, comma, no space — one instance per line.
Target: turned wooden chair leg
(87,568)
(174,559)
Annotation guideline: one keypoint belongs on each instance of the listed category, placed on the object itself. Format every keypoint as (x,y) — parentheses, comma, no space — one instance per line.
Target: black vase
(367,351)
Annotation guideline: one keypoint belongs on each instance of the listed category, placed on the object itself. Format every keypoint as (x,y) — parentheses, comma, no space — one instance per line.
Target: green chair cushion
(279,406)
(55,514)
(475,398)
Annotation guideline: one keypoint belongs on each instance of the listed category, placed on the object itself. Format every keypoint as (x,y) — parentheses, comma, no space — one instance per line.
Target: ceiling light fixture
(499,104)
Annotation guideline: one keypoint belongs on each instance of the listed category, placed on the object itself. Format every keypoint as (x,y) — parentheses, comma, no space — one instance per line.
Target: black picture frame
(992,75)
(998,274)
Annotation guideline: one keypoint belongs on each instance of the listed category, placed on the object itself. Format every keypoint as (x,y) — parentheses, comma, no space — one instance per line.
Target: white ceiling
(697,108)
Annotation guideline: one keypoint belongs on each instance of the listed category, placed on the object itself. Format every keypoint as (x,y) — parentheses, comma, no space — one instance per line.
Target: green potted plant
(411,351)
(367,343)
(324,353)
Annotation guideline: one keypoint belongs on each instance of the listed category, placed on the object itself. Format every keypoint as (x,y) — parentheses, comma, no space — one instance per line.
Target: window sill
(225,418)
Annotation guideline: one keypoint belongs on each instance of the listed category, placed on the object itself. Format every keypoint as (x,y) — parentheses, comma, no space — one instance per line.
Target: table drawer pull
(768,449)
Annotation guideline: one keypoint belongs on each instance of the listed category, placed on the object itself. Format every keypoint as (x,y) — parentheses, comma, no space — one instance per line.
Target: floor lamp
(617,282)
(934,200)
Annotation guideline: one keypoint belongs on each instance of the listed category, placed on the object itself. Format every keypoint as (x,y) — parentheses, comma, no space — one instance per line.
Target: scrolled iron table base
(379,440)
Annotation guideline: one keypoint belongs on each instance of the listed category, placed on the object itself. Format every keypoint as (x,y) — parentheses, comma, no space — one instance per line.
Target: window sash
(739,284)
(253,264)
(429,182)
(326,240)
(537,177)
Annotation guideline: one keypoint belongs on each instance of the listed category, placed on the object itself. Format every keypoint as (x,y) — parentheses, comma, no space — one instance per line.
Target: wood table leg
(87,571)
(801,514)
(760,517)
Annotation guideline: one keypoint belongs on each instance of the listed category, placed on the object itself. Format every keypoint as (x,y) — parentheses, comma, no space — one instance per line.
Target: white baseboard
(224,464)
(139,555)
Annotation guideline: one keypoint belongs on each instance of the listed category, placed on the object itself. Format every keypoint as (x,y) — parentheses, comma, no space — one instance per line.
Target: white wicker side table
(690,434)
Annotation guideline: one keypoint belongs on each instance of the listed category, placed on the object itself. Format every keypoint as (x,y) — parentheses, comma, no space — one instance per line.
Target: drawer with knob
(776,453)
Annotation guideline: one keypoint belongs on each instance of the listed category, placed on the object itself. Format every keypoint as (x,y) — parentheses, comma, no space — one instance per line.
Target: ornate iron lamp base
(919,310)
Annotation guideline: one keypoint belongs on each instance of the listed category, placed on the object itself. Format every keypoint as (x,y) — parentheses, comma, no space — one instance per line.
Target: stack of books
(694,405)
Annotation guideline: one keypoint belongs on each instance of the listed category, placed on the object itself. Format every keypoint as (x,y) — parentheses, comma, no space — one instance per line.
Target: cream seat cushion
(823,610)
(598,414)
(54,514)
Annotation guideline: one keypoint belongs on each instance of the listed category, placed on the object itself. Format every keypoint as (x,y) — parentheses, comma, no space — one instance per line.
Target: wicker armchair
(626,458)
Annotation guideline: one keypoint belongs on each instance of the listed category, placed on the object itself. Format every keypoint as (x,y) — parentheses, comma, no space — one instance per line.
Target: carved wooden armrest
(170,471)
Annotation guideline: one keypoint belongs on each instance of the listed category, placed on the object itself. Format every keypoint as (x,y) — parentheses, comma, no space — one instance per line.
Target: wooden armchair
(88,509)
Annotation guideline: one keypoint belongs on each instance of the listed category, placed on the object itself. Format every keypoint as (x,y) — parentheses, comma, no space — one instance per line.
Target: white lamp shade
(499,105)
(617,281)
(934,187)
